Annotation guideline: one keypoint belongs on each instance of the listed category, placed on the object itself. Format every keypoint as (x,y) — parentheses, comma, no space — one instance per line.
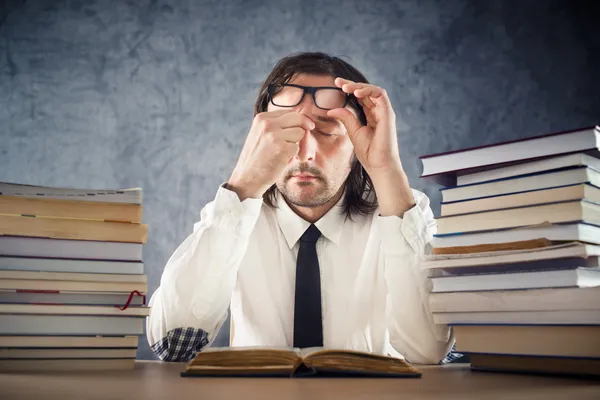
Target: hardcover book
(272,362)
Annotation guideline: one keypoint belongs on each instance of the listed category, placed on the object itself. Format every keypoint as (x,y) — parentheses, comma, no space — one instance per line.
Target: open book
(316,361)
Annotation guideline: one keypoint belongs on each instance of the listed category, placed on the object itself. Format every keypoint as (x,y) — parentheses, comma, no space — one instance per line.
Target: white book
(444,166)
(565,212)
(68,276)
(75,286)
(58,265)
(531,167)
(569,250)
(517,300)
(69,341)
(568,317)
(522,184)
(554,232)
(66,353)
(76,325)
(526,266)
(60,309)
(21,246)
(67,297)
(131,195)
(554,195)
(575,277)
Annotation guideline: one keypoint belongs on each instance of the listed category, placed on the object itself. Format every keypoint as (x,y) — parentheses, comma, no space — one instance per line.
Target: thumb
(351,123)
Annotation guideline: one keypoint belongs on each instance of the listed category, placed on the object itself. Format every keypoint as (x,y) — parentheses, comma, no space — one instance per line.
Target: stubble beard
(294,194)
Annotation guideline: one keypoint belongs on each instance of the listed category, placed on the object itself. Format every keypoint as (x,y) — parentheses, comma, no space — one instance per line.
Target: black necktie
(308,322)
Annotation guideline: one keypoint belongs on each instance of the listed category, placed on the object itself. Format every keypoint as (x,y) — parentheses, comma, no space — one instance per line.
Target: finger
(351,123)
(373,95)
(349,86)
(296,119)
(360,90)
(273,114)
(290,150)
(339,82)
(367,90)
(365,101)
(291,135)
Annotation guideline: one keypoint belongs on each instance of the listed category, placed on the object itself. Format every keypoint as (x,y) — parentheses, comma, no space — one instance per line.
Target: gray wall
(159,94)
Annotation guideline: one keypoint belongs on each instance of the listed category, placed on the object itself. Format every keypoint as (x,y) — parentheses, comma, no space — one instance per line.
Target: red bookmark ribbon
(135,292)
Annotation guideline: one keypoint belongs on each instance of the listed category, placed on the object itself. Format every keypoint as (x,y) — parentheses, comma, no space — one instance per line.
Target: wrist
(243,190)
(394,194)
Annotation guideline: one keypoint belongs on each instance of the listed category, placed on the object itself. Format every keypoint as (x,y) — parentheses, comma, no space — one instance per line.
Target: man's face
(317,173)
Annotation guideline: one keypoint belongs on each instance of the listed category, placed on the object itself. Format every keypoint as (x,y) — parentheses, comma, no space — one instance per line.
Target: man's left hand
(375,144)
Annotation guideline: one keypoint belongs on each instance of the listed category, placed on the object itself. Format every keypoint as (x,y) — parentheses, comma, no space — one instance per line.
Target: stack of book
(72,283)
(515,266)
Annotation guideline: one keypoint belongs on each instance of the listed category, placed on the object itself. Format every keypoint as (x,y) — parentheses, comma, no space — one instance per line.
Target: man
(315,239)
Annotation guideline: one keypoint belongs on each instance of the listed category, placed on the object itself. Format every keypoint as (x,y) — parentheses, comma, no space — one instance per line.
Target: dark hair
(359,197)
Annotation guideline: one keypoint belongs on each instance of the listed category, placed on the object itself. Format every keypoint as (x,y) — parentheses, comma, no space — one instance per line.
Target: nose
(307,148)
(308,144)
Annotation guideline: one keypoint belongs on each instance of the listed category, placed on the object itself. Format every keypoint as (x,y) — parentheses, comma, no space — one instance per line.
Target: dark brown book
(583,367)
(257,361)
(540,340)
(479,248)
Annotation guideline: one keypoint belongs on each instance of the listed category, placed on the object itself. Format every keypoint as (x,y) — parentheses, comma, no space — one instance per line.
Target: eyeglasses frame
(306,89)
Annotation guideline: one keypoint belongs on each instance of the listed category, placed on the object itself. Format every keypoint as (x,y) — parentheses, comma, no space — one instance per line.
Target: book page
(318,351)
(437,257)
(130,195)
(246,357)
(246,348)
(309,350)
(494,247)
(22,188)
(352,362)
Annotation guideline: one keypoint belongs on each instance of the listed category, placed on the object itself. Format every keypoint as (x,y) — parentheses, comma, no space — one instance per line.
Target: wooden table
(156,380)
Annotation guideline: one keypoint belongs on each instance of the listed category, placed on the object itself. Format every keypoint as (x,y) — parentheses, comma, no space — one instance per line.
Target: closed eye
(322,133)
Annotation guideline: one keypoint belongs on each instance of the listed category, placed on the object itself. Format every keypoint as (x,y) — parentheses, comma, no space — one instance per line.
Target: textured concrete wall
(159,93)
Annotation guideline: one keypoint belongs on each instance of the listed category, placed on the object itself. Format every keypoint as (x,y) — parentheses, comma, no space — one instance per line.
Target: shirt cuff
(235,215)
(412,227)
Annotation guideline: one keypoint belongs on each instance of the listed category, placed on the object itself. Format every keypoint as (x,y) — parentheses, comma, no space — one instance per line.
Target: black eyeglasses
(290,95)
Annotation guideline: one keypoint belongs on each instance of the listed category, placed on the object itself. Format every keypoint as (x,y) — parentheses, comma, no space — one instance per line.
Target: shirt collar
(293,226)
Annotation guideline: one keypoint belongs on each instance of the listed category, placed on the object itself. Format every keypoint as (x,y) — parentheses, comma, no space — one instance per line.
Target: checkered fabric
(454,357)
(180,344)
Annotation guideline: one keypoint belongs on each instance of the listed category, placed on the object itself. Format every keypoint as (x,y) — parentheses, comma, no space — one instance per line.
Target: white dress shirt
(243,255)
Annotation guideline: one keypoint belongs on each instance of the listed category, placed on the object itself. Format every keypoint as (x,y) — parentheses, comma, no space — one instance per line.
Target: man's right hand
(271,143)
